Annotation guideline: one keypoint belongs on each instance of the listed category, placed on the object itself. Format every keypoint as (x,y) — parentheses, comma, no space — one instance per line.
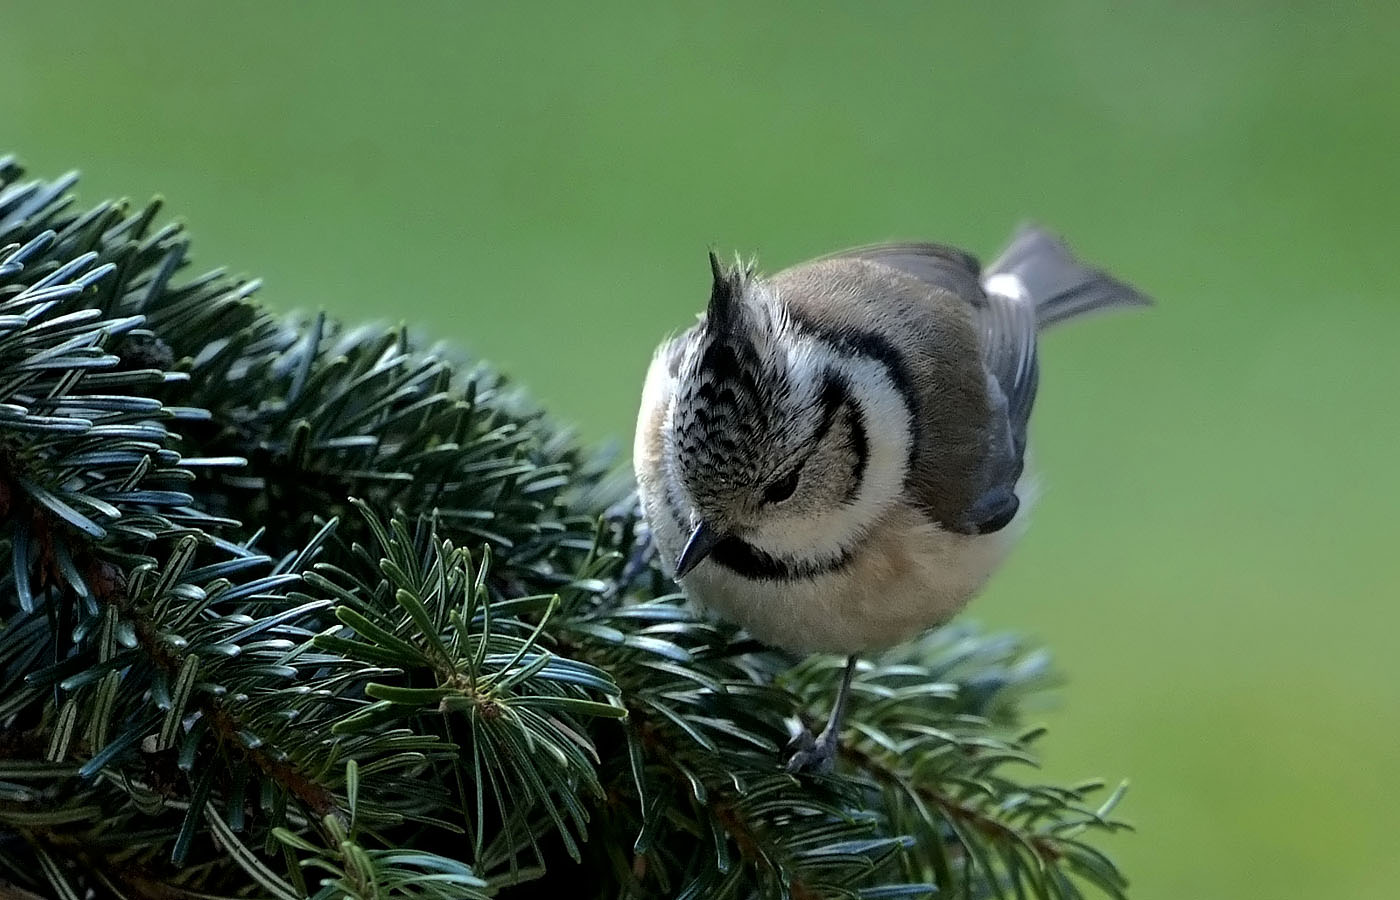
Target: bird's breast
(908,576)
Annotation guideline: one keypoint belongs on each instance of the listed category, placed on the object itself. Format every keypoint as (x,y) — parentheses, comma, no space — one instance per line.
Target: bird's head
(765,438)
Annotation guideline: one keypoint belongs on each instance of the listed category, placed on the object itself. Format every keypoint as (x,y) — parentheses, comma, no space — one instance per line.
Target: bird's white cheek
(885,421)
(802,537)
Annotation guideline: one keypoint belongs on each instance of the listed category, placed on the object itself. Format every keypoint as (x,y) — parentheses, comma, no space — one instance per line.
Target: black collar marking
(860,445)
(743,558)
(873,347)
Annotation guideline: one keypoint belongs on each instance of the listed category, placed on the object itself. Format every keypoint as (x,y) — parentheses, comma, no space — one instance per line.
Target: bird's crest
(726,389)
(724,315)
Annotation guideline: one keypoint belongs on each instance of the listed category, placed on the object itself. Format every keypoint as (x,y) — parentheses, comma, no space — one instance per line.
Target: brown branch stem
(747,839)
(952,808)
(108,583)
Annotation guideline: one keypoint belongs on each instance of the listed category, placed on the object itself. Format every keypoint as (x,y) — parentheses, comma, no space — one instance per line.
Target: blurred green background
(1214,562)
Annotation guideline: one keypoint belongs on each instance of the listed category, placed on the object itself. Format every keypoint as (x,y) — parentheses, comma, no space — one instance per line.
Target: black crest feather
(724,296)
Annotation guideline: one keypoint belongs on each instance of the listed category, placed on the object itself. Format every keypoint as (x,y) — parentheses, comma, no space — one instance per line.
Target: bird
(834,457)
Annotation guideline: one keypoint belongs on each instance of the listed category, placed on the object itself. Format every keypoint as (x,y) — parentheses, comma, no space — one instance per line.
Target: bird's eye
(781,489)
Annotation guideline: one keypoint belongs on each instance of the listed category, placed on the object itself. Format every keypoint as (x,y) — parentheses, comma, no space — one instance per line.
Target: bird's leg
(819,755)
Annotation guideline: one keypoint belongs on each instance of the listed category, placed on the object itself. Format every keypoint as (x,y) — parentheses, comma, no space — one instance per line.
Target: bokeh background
(1214,563)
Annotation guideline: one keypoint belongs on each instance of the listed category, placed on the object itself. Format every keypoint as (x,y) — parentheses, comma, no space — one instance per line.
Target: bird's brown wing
(1006,334)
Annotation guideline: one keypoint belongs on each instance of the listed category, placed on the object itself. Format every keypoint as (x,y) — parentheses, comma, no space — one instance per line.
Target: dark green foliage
(291,609)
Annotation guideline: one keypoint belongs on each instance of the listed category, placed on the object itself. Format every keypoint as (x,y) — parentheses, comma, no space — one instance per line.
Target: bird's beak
(702,541)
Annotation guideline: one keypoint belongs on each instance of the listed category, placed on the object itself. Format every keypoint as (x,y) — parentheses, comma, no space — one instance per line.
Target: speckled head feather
(732,394)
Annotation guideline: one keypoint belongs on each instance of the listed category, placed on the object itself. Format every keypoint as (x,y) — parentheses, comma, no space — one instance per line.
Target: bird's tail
(1060,286)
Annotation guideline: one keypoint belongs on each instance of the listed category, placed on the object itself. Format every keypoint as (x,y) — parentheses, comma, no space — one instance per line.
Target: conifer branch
(107,585)
(293,610)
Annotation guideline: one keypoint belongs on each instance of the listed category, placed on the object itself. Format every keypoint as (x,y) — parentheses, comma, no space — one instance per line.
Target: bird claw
(800,737)
(818,755)
(808,754)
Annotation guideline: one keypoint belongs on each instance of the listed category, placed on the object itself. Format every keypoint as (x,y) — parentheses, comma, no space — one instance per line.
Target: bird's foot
(812,754)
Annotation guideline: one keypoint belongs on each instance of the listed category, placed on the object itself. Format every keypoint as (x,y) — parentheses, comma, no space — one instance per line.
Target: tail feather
(1060,286)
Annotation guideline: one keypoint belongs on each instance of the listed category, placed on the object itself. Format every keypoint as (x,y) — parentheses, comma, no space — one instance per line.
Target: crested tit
(833,457)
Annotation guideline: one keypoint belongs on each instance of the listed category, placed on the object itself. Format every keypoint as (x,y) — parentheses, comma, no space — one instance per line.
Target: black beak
(702,541)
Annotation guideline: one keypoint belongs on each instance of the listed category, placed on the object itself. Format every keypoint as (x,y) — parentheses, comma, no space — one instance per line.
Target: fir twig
(293,609)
